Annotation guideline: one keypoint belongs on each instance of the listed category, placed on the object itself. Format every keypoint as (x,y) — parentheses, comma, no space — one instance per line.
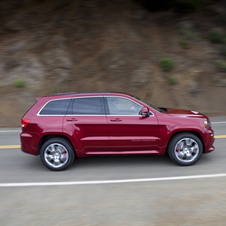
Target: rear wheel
(185,149)
(57,154)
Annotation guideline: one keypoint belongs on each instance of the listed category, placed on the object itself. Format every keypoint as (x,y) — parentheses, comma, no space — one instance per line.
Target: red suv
(64,126)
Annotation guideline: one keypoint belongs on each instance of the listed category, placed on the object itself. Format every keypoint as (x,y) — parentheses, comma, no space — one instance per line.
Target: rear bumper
(27,143)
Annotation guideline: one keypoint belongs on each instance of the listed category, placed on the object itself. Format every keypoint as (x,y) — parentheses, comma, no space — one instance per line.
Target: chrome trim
(56,155)
(106,115)
(186,150)
(38,114)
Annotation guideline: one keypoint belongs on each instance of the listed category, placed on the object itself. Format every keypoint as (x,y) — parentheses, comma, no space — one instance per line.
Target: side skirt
(155,152)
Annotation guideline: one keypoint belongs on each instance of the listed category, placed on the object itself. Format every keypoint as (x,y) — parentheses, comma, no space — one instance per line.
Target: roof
(72,94)
(60,94)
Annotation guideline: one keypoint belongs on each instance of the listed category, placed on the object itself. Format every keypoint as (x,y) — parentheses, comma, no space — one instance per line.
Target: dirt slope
(88,46)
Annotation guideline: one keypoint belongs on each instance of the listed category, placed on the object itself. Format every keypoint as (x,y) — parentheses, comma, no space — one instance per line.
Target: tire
(185,149)
(57,154)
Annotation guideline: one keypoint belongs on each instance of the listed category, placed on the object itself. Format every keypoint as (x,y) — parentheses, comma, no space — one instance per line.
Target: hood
(174,112)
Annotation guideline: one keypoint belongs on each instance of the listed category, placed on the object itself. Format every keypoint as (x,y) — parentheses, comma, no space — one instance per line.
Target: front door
(128,129)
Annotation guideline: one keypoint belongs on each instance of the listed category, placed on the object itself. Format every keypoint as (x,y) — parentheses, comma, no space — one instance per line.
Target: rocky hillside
(166,58)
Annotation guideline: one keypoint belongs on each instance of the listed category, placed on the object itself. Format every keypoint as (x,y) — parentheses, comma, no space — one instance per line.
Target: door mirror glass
(145,111)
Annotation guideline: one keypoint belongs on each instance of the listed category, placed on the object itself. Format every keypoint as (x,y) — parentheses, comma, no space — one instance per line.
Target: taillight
(25,122)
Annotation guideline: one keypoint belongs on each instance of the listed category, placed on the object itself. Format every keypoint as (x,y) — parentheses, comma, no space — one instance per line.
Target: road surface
(113,190)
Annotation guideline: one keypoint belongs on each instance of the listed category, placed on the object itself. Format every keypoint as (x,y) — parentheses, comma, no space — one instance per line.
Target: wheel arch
(49,136)
(196,133)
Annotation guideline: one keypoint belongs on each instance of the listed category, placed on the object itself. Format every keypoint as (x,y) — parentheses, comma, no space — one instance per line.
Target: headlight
(207,123)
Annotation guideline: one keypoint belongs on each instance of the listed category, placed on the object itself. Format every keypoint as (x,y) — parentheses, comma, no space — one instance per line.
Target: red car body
(108,134)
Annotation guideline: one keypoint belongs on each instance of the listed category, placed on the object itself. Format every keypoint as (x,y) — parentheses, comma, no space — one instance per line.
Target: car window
(123,106)
(151,105)
(87,106)
(55,107)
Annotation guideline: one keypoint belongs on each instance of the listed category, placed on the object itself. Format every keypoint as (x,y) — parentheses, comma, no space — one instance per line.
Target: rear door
(128,130)
(87,124)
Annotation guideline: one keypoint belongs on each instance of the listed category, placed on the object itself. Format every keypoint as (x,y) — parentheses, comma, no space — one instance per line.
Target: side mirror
(145,112)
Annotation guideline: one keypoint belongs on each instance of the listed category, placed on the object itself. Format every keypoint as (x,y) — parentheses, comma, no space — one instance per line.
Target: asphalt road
(167,202)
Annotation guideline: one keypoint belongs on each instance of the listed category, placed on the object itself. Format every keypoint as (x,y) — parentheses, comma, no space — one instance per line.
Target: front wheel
(185,149)
(57,154)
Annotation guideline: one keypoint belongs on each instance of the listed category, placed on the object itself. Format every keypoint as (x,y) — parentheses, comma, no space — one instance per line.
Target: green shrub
(166,64)
(172,80)
(221,64)
(217,37)
(20,83)
(185,44)
(188,33)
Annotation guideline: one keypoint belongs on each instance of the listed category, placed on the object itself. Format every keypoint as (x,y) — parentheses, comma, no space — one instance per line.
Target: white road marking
(34,184)
(217,122)
(10,131)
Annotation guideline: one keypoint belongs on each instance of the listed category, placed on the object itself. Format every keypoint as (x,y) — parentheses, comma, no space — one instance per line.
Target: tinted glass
(151,105)
(56,107)
(88,106)
(123,106)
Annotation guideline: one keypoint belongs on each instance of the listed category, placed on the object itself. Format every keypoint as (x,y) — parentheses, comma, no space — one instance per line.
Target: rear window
(55,107)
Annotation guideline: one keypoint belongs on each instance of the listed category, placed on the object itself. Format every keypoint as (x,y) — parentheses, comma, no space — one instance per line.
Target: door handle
(116,120)
(72,120)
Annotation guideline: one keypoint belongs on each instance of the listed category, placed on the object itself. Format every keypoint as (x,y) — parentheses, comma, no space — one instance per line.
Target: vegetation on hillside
(169,53)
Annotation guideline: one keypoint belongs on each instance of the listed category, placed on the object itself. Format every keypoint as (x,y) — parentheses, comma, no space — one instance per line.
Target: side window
(88,106)
(123,106)
(55,107)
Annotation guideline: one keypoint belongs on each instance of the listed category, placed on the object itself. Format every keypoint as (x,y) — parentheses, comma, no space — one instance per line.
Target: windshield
(152,106)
